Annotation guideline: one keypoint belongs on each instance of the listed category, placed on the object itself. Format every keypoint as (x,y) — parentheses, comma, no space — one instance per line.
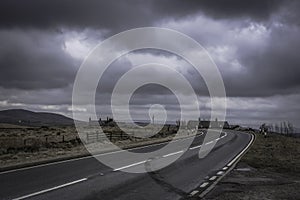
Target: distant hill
(29,118)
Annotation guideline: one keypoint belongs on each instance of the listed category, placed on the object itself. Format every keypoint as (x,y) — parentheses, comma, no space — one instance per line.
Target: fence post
(63,138)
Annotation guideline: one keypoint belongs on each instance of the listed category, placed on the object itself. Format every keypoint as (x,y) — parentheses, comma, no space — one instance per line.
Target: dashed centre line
(196,147)
(164,156)
(50,189)
(131,165)
(172,154)
(209,142)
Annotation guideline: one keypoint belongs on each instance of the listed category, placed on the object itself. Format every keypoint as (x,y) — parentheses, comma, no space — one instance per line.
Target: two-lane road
(86,178)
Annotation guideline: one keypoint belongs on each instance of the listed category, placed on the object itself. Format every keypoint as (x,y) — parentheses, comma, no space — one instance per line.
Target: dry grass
(23,145)
(275,153)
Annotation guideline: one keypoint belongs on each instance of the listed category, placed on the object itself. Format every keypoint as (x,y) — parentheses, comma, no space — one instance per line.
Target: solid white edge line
(87,157)
(241,153)
(50,189)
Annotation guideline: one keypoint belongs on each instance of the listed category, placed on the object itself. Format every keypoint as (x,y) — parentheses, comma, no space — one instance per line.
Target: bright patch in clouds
(79,44)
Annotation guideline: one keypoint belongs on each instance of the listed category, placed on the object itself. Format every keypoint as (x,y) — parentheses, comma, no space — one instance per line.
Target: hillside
(29,118)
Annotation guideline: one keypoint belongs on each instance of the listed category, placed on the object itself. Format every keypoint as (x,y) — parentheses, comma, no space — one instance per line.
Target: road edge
(228,168)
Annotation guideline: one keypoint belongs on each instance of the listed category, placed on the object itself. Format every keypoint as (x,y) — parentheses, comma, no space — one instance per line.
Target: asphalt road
(86,178)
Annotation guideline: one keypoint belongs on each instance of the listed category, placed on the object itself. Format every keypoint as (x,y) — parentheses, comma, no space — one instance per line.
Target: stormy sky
(255,44)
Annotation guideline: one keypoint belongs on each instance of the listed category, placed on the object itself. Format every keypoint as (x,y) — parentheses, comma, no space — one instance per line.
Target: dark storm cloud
(73,13)
(34,60)
(118,15)
(256,9)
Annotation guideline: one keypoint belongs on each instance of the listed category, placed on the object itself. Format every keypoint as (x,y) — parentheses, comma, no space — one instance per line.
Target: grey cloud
(78,14)
(257,10)
(119,15)
(271,69)
(266,52)
(39,96)
(273,110)
(34,60)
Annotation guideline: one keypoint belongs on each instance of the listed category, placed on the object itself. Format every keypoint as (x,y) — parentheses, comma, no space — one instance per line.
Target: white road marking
(204,184)
(209,142)
(220,173)
(212,178)
(144,161)
(225,134)
(87,157)
(164,156)
(196,147)
(224,168)
(131,165)
(50,189)
(194,192)
(171,154)
(241,153)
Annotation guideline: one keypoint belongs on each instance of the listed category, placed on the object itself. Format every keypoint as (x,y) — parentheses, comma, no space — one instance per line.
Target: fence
(27,139)
(91,136)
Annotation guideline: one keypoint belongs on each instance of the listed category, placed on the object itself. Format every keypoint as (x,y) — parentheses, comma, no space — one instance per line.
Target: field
(24,145)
